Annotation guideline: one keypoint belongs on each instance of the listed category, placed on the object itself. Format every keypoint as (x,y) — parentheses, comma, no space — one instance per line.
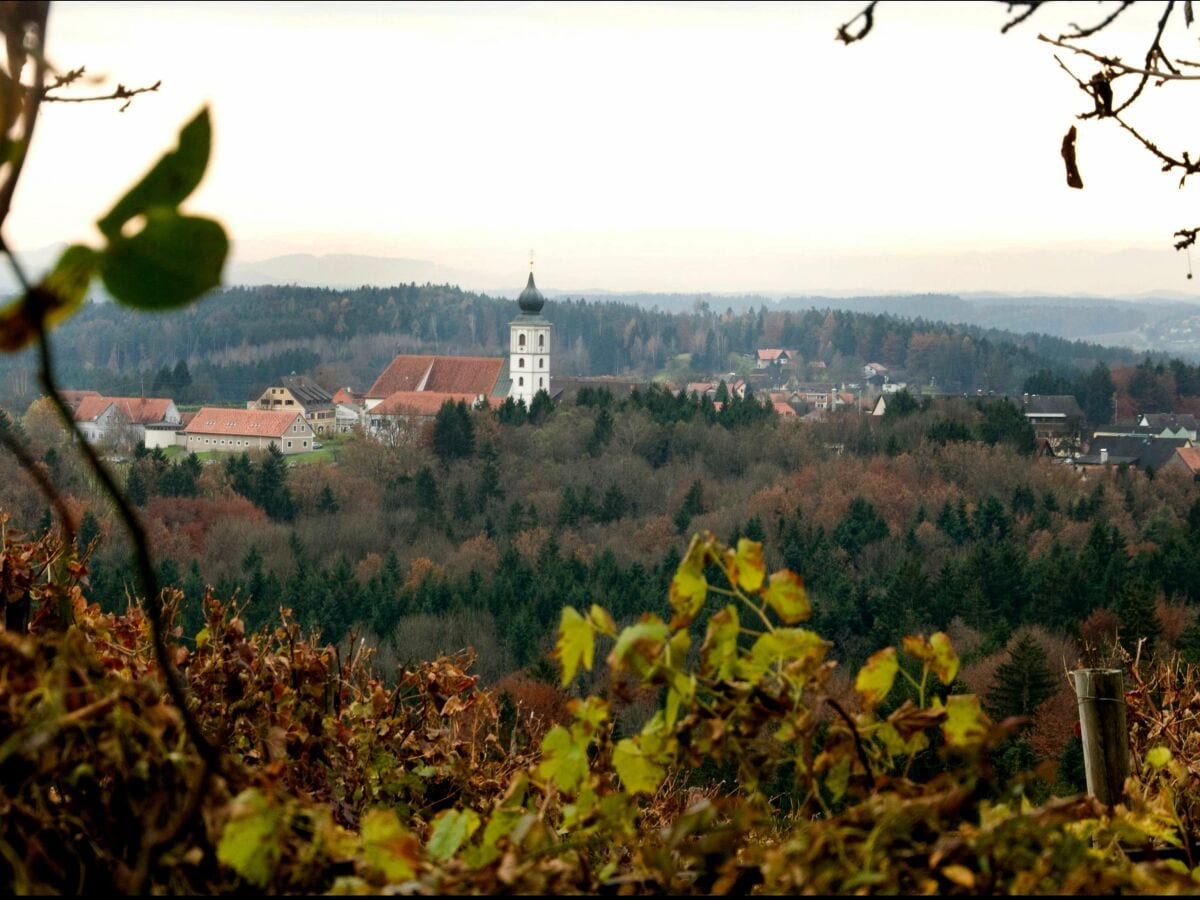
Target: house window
(521,340)
(289,443)
(520,382)
(541,382)
(521,363)
(541,364)
(541,340)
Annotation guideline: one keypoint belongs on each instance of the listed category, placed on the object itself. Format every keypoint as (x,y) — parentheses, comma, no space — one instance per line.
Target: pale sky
(660,147)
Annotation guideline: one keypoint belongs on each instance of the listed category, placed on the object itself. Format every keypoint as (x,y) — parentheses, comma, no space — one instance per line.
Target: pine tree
(326,502)
(540,408)
(270,487)
(692,505)
(453,432)
(136,488)
(1134,606)
(1023,682)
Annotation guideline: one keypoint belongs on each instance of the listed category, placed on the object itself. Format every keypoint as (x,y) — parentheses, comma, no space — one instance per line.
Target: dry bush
(476,554)
(1173,620)
(1098,638)
(540,705)
(422,637)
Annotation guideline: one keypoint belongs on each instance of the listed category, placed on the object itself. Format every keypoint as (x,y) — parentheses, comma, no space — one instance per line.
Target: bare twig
(120,93)
(1088,32)
(862,753)
(1032,7)
(868,16)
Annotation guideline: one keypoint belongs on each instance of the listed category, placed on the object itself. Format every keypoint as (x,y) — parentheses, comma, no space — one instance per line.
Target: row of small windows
(521,340)
(521,382)
(521,363)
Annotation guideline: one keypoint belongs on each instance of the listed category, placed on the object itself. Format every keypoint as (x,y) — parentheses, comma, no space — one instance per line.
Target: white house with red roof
(123,419)
(242,430)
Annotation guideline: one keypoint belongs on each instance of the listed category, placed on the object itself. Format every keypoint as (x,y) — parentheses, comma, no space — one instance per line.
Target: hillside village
(296,413)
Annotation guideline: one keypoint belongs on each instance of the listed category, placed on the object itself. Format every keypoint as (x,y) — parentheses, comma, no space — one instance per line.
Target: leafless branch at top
(1088,32)
(1031,8)
(868,16)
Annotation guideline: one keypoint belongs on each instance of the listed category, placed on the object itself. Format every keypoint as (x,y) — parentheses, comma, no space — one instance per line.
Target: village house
(1186,459)
(817,394)
(772,358)
(123,421)
(1132,450)
(301,394)
(241,430)
(1056,420)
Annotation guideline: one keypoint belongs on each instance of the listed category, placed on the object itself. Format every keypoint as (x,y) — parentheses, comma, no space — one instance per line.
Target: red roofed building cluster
(120,420)
(242,430)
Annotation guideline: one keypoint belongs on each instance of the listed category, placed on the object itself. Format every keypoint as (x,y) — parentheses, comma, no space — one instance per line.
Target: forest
(236,341)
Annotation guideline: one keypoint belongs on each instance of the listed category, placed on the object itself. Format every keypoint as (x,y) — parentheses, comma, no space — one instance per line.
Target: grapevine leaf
(639,773)
(745,566)
(602,620)
(786,595)
(450,829)
(638,646)
(783,645)
(689,588)
(170,181)
(250,842)
(965,723)
(874,681)
(388,846)
(576,644)
(564,759)
(945,660)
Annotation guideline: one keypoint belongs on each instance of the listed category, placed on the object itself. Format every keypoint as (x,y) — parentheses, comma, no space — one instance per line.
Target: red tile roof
(1190,457)
(404,373)
(144,410)
(72,398)
(770,353)
(464,374)
(90,408)
(245,422)
(783,409)
(418,403)
(136,410)
(440,374)
(347,396)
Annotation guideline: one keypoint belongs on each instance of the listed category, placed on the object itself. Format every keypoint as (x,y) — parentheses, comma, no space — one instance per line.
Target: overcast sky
(674,147)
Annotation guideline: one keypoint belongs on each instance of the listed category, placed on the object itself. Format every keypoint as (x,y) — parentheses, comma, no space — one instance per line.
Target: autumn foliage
(757,769)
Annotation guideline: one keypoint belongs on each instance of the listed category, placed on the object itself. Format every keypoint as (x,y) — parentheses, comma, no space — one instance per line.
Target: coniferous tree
(540,408)
(136,488)
(326,502)
(692,505)
(453,432)
(270,490)
(1023,681)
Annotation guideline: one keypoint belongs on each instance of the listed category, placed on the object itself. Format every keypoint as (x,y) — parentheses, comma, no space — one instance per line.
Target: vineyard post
(1101,696)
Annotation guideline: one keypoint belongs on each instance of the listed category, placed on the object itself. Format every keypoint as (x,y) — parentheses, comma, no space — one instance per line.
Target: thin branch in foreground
(120,93)
(868,16)
(1088,32)
(1032,8)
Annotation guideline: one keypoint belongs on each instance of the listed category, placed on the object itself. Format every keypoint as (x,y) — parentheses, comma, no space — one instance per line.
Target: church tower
(529,346)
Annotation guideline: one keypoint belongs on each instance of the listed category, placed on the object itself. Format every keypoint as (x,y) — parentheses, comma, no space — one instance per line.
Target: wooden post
(1101,696)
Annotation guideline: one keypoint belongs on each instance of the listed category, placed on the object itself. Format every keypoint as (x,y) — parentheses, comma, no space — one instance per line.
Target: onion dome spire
(531,299)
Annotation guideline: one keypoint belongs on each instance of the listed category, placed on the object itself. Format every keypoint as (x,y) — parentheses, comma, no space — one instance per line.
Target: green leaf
(874,681)
(68,281)
(202,638)
(172,261)
(838,778)
(718,653)
(786,595)
(388,846)
(602,620)
(250,842)
(451,828)
(745,566)
(169,182)
(576,644)
(564,759)
(965,725)
(689,588)
(783,646)
(945,660)
(638,646)
(639,773)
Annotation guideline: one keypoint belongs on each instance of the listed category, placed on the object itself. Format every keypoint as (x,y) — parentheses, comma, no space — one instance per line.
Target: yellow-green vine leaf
(388,846)
(689,588)
(945,660)
(250,842)
(1158,756)
(564,759)
(745,566)
(875,678)
(783,646)
(171,180)
(602,620)
(718,653)
(786,595)
(576,644)
(966,724)
(591,712)
(639,773)
(451,829)
(638,646)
